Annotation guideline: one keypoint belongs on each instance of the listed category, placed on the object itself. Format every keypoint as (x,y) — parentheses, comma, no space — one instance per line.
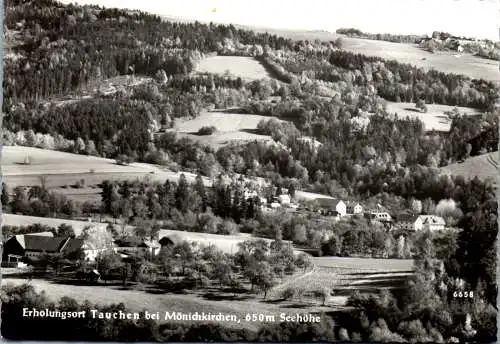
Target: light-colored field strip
(238,66)
(22,220)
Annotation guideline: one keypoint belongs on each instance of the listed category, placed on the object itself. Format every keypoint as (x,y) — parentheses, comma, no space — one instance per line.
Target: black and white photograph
(250,171)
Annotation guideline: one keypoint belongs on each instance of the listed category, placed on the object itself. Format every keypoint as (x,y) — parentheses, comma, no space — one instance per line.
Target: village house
(331,207)
(421,222)
(354,208)
(34,246)
(284,200)
(133,245)
(383,217)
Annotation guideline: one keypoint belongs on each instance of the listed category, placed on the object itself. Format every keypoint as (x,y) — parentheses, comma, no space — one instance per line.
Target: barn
(33,246)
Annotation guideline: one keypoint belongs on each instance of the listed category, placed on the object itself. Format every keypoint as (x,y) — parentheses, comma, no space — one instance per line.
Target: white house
(34,246)
(421,222)
(332,206)
(379,216)
(430,222)
(250,194)
(284,199)
(132,246)
(354,208)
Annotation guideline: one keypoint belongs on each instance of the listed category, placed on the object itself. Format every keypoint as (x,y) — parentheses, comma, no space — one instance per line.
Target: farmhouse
(354,208)
(331,207)
(284,199)
(133,245)
(33,246)
(383,217)
(421,222)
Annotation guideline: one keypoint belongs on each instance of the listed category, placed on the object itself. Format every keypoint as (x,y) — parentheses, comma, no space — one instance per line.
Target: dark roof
(43,243)
(328,202)
(407,218)
(172,238)
(432,219)
(130,242)
(73,245)
(40,243)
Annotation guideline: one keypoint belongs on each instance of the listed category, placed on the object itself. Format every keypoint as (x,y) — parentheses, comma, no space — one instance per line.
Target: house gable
(13,247)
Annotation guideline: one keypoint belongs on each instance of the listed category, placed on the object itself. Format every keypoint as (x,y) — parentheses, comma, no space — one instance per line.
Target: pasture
(231,127)
(466,64)
(22,220)
(447,62)
(226,243)
(481,166)
(244,67)
(59,169)
(434,119)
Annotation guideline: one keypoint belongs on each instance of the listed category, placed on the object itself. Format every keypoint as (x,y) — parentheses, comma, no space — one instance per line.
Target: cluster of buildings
(21,249)
(459,44)
(338,209)
(31,247)
(25,247)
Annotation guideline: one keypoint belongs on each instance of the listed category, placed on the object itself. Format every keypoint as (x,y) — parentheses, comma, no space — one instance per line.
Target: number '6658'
(463,294)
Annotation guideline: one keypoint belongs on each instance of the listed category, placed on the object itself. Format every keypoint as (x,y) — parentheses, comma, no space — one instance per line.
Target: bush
(207,130)
(27,160)
(123,159)
(343,334)
(80,184)
(288,293)
(322,294)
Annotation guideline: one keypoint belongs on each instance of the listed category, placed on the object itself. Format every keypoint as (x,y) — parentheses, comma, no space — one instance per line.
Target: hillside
(475,67)
(482,166)
(64,169)
(231,127)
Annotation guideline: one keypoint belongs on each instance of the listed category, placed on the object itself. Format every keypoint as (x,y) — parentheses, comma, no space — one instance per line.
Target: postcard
(250,171)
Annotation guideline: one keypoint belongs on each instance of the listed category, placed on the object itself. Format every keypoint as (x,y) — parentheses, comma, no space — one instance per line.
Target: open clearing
(446,62)
(226,243)
(22,220)
(244,67)
(231,127)
(466,64)
(481,166)
(434,119)
(63,169)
